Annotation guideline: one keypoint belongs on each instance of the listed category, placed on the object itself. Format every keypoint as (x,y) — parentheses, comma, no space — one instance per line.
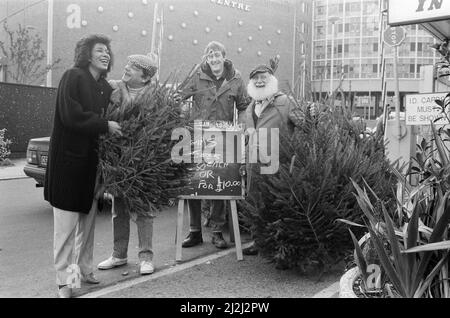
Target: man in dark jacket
(218,92)
(70,179)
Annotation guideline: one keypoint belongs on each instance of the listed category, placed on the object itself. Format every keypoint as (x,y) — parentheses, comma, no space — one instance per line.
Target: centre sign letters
(403,12)
(233,4)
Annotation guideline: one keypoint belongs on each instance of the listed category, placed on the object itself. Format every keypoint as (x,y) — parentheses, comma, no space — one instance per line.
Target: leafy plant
(418,253)
(4,146)
(419,240)
(25,55)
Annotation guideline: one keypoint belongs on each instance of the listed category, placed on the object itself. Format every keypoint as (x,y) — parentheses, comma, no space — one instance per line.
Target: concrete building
(348,38)
(253,31)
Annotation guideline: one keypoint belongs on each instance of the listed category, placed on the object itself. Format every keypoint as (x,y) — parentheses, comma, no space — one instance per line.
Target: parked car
(37,157)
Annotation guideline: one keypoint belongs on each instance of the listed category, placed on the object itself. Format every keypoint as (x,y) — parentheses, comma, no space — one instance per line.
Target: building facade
(253,31)
(348,38)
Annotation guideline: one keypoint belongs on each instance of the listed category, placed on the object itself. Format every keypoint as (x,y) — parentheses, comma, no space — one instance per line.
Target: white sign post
(421,109)
(394,36)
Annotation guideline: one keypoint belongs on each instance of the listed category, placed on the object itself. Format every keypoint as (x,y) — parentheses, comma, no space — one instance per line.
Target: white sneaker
(65,292)
(112,262)
(146,268)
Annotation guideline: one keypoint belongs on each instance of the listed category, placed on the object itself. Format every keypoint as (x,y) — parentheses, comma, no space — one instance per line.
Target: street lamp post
(333,20)
(303,76)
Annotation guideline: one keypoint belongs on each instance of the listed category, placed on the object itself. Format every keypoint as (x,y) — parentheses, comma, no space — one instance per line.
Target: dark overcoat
(73,154)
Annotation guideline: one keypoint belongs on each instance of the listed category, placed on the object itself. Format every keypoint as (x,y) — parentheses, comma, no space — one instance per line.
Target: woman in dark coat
(83,94)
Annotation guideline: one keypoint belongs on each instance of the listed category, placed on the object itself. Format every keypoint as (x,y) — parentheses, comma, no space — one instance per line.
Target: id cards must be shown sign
(421,109)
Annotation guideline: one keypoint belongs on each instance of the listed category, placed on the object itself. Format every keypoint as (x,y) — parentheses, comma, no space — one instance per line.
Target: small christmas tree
(138,166)
(293,217)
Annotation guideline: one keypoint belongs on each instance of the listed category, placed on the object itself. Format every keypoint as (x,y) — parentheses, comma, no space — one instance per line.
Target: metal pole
(49,42)
(332,60)
(155,17)
(304,78)
(293,47)
(397,92)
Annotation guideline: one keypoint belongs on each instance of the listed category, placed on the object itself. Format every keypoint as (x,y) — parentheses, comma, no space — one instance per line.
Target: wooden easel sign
(213,173)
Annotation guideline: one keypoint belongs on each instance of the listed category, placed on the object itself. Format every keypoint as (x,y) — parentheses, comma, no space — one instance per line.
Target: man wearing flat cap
(133,88)
(270,109)
(217,90)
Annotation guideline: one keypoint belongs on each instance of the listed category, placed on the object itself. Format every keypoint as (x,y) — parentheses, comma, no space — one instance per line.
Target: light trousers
(73,242)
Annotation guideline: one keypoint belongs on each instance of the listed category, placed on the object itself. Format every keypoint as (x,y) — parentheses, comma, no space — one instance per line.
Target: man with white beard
(270,109)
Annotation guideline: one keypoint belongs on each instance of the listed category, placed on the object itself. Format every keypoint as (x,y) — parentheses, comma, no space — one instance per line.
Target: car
(37,157)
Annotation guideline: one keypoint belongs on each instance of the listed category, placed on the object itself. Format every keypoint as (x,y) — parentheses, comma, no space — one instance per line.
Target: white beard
(261,93)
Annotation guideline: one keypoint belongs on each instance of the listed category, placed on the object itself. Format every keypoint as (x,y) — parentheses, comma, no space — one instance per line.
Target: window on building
(333,9)
(353,27)
(302,48)
(369,69)
(412,47)
(370,26)
(369,47)
(352,8)
(320,32)
(321,10)
(319,70)
(370,7)
(353,47)
(319,50)
(347,28)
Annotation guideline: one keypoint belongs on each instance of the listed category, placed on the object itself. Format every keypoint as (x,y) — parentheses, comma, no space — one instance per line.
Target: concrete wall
(26,112)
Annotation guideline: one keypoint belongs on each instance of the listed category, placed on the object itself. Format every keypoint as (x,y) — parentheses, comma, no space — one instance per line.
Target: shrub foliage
(4,145)
(293,216)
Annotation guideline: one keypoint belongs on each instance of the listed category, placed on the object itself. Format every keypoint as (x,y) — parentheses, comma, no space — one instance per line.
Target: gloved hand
(243,170)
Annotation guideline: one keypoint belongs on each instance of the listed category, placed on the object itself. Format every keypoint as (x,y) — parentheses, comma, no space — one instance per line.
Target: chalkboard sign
(217,152)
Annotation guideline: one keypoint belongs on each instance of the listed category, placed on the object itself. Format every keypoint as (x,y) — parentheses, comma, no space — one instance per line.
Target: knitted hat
(261,69)
(146,62)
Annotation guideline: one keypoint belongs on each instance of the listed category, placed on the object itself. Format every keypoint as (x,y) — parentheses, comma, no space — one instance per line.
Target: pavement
(205,271)
(15,171)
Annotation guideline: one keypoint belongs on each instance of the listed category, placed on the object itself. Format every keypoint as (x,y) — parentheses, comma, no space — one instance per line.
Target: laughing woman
(83,93)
